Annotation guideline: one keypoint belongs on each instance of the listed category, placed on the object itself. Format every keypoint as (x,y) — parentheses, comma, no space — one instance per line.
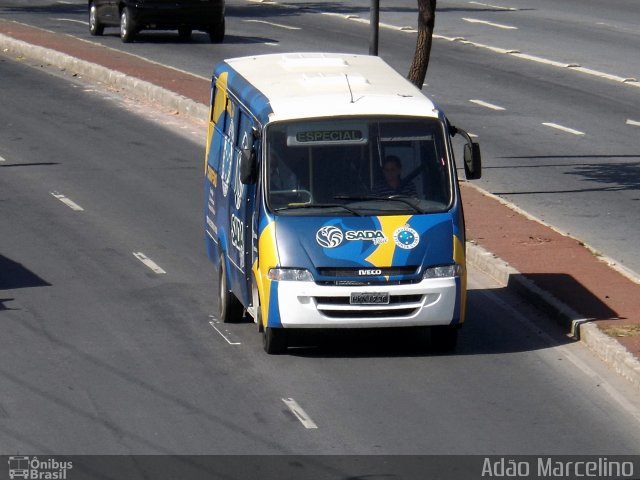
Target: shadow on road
(15,275)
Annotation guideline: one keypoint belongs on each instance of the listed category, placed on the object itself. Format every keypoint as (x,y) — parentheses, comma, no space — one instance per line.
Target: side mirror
(472,157)
(248,166)
(472,161)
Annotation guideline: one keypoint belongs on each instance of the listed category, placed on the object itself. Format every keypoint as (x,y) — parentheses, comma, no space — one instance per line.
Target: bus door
(241,207)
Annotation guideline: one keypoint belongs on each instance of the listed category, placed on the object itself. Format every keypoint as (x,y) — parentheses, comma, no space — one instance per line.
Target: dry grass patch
(622,330)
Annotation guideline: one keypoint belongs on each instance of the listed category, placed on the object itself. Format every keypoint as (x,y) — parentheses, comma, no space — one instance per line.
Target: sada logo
(406,237)
(376,236)
(329,236)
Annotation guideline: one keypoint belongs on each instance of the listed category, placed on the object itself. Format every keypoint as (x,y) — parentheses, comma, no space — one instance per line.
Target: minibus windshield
(357,166)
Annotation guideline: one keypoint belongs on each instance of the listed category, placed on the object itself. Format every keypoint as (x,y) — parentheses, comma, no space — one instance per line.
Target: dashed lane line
(491,106)
(495,7)
(634,123)
(67,201)
(299,413)
(149,263)
(490,24)
(505,51)
(563,128)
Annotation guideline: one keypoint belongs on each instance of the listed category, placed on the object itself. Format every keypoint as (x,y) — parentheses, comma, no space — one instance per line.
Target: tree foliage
(426,21)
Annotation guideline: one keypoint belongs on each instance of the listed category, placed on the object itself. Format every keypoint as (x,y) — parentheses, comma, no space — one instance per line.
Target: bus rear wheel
(229,308)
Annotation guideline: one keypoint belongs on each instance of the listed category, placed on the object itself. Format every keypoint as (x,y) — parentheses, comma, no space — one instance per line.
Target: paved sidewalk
(560,274)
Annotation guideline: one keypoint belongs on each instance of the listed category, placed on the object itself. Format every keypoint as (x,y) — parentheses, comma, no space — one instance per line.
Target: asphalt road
(542,85)
(108,345)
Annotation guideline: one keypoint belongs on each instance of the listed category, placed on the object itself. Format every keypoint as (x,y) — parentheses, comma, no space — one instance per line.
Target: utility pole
(374,23)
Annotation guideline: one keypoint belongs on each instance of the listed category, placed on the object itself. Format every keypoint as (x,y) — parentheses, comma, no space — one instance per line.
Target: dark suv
(135,15)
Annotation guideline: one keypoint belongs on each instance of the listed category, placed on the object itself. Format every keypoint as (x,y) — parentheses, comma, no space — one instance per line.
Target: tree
(426,21)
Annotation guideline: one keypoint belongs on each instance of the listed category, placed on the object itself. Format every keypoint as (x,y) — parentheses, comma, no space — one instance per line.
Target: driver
(392,183)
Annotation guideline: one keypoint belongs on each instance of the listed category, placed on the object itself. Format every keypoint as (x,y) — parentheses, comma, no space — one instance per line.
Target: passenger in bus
(392,183)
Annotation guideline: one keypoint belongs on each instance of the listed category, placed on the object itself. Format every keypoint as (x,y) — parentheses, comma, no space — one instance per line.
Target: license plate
(369,298)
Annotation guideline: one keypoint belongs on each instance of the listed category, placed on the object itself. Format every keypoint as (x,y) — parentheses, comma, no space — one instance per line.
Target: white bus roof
(305,85)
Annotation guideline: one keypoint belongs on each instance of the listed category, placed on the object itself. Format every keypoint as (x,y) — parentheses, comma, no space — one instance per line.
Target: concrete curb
(605,347)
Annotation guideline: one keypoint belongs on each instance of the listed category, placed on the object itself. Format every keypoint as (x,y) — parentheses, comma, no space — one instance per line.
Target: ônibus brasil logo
(36,469)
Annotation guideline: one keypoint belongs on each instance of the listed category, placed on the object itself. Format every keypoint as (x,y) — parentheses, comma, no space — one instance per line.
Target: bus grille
(398,306)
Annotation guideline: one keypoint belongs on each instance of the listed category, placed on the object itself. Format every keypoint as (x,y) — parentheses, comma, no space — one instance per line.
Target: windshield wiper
(400,198)
(320,205)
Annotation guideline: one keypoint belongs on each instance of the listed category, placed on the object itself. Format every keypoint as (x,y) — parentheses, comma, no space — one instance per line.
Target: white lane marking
(355,18)
(497,7)
(68,202)
(491,24)
(562,128)
(299,413)
(597,73)
(213,323)
(507,51)
(2,159)
(482,103)
(72,20)
(149,263)
(635,123)
(546,61)
(273,24)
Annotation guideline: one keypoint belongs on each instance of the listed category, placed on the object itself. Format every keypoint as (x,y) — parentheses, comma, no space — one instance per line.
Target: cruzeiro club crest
(406,237)
(329,236)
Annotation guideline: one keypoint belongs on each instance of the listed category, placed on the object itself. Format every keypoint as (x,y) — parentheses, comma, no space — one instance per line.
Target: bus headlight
(290,275)
(443,271)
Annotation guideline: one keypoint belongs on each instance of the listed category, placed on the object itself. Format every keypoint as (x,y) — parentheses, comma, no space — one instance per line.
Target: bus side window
(212,98)
(219,105)
(218,112)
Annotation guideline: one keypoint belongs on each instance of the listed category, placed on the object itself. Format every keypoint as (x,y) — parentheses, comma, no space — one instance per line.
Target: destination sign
(327,133)
(329,136)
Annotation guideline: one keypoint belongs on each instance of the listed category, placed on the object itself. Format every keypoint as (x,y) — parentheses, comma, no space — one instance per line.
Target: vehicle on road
(132,16)
(332,198)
